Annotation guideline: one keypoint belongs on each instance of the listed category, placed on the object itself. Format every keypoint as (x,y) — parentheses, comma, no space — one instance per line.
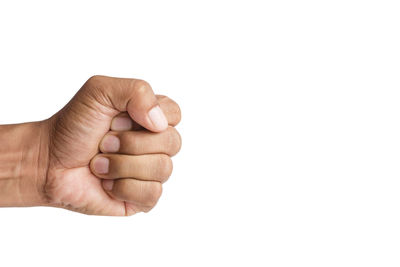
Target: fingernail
(110,143)
(101,165)
(158,118)
(108,184)
(121,124)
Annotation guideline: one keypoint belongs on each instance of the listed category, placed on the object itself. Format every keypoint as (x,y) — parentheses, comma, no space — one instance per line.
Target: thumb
(131,95)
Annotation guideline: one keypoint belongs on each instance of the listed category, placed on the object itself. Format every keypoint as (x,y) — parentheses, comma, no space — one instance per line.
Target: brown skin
(55,162)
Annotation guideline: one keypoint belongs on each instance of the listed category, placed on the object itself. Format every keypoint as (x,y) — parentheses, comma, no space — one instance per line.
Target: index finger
(172,111)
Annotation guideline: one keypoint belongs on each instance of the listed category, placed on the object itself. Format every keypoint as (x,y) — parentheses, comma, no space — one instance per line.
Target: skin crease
(71,138)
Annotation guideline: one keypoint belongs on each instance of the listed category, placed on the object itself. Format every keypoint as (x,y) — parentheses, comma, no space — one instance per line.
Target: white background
(290,125)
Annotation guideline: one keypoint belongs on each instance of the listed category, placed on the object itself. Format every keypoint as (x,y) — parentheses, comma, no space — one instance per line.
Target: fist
(110,148)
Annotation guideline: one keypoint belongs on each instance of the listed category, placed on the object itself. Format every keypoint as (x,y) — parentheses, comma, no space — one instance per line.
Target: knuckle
(153,194)
(165,167)
(162,98)
(146,209)
(141,87)
(178,113)
(175,111)
(174,141)
(130,209)
(95,80)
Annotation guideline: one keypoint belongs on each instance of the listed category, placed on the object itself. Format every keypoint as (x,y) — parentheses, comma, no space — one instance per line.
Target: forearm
(23,164)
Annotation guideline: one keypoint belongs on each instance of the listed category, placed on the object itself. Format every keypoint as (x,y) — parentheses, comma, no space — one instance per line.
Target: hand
(126,176)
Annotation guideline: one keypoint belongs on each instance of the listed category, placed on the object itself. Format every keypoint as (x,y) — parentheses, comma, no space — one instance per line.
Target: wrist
(23,163)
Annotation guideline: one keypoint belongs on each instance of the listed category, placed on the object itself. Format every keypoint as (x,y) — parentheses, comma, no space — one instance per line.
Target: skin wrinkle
(43,160)
(19,174)
(18,168)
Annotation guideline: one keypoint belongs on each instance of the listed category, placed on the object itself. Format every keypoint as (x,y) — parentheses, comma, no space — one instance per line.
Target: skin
(107,152)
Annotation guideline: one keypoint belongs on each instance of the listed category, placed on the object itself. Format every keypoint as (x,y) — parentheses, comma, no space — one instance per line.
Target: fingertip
(100,165)
(158,119)
(110,144)
(122,123)
(108,184)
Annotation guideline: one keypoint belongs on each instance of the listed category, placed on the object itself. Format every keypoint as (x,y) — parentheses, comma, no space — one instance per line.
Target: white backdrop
(290,129)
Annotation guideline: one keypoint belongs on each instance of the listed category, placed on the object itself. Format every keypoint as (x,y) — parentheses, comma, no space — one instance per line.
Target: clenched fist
(107,152)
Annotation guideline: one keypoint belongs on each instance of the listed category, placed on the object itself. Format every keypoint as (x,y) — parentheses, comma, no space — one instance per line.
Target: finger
(143,194)
(142,142)
(154,167)
(171,109)
(131,95)
(123,122)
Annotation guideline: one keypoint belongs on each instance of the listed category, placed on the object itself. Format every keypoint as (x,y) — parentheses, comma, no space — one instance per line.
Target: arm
(23,163)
